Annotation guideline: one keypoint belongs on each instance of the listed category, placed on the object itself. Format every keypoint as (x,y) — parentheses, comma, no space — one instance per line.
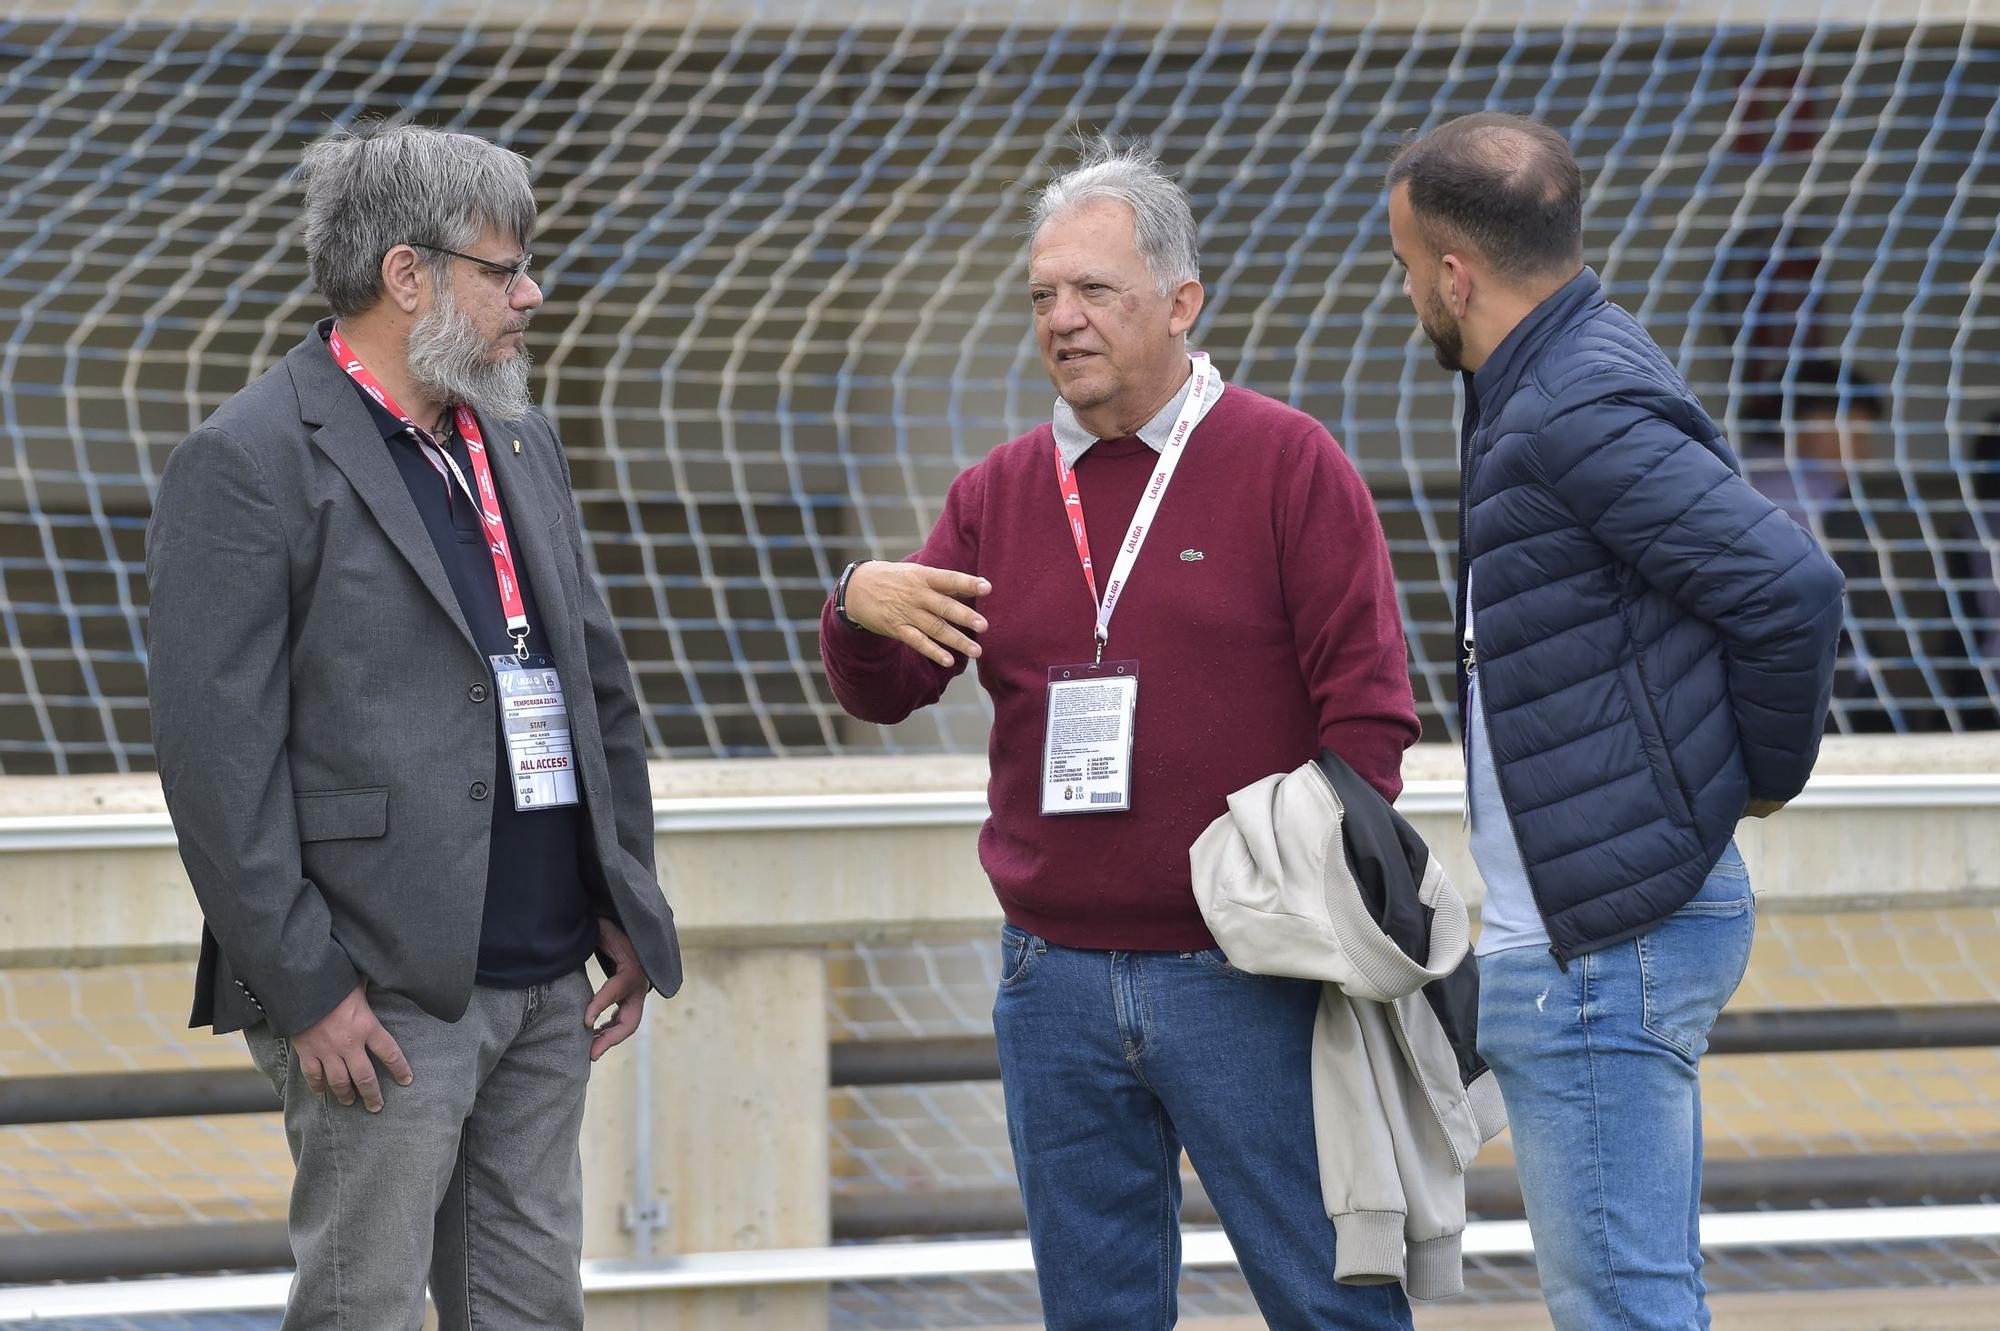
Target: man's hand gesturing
(922,607)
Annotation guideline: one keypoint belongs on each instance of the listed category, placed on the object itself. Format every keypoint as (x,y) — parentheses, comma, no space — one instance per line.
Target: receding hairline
(1516,156)
(1523,144)
(1523,158)
(1441,235)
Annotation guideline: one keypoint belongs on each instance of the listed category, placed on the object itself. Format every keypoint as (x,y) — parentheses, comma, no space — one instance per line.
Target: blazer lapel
(531,532)
(349,438)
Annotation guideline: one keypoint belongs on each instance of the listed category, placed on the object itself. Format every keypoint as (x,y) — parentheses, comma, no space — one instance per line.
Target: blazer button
(477,693)
(479,790)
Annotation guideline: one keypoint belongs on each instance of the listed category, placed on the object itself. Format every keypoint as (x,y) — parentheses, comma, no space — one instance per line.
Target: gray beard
(448,358)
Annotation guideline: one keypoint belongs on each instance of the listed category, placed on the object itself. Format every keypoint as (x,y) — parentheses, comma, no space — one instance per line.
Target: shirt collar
(385,420)
(1074,441)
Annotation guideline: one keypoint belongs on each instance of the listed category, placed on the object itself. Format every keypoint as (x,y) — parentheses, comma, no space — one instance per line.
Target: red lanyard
(1073,507)
(1193,408)
(487,501)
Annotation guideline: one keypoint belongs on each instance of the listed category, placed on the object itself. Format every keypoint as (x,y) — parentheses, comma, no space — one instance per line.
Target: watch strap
(840,593)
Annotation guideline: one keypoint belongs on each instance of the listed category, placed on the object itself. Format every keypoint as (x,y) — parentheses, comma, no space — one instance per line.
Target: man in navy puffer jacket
(1649,655)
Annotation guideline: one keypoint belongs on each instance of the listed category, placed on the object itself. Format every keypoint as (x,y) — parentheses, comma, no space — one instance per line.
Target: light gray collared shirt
(1074,441)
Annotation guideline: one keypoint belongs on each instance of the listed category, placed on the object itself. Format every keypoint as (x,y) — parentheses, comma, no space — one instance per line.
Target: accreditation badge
(536,724)
(1087,755)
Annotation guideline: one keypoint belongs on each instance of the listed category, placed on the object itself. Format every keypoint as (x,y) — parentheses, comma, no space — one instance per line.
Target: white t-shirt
(1510,918)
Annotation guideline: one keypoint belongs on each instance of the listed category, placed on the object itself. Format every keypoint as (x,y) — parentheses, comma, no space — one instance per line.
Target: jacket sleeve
(1663,502)
(1360,1185)
(1340,593)
(219,675)
(882,680)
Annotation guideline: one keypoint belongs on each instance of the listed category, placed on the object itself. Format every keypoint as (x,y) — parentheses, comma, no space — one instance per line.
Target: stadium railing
(707,1146)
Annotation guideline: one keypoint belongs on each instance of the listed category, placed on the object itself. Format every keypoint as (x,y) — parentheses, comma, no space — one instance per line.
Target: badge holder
(1087,745)
(535,721)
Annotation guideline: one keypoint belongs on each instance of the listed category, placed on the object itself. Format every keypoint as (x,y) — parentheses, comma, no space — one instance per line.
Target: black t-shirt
(540,922)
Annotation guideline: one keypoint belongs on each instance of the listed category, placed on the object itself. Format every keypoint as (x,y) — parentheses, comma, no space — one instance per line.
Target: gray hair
(376,186)
(1163,223)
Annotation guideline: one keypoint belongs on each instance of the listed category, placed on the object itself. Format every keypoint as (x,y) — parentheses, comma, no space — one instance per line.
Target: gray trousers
(470,1176)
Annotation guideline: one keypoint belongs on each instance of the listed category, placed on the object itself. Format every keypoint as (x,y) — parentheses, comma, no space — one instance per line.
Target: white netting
(784,251)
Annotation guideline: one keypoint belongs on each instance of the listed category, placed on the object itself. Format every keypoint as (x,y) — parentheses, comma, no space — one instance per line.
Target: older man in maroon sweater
(1239,615)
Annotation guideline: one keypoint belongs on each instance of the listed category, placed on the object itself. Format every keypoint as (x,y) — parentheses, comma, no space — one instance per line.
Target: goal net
(783,245)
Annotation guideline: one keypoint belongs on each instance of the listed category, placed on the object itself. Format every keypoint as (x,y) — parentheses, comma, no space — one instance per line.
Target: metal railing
(1201,1248)
(1963,1176)
(1943,1179)
(962,808)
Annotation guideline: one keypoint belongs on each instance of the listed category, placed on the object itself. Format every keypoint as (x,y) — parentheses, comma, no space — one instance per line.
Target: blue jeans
(1600,1069)
(1111,1062)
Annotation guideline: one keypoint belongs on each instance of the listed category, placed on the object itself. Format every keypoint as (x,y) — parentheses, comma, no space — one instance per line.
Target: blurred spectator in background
(1808,434)
(1808,442)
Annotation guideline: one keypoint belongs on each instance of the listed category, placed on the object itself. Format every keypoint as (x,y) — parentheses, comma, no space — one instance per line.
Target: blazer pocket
(335,815)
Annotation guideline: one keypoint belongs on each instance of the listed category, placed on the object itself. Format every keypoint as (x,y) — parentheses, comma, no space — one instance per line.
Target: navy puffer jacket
(1655,638)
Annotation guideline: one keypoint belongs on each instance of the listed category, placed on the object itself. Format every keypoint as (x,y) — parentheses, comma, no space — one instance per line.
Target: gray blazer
(324,721)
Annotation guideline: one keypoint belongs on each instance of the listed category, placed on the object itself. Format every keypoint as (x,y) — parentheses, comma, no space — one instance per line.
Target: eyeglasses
(514,271)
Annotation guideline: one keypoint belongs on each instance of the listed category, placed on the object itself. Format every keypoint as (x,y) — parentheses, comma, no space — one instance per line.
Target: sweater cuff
(1368,1247)
(1374,749)
(1437,1269)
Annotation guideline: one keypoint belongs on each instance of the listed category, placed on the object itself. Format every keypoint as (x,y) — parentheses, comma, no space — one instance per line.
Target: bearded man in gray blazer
(400,745)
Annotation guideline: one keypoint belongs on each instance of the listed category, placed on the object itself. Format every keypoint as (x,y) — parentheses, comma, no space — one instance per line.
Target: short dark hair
(1504,185)
(1829,388)
(1813,389)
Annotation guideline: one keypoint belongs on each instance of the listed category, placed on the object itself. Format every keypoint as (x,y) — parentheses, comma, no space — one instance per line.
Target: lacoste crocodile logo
(1192,556)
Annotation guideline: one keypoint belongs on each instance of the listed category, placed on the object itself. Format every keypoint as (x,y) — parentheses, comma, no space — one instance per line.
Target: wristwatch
(840,593)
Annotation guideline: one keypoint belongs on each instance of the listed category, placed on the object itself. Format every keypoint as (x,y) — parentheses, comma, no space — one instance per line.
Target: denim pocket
(1730,865)
(1213,958)
(1689,967)
(272,1055)
(1018,949)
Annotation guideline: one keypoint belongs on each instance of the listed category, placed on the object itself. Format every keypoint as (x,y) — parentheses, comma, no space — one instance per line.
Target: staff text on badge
(536,723)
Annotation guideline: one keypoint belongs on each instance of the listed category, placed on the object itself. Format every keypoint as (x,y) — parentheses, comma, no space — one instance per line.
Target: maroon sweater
(1281,637)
